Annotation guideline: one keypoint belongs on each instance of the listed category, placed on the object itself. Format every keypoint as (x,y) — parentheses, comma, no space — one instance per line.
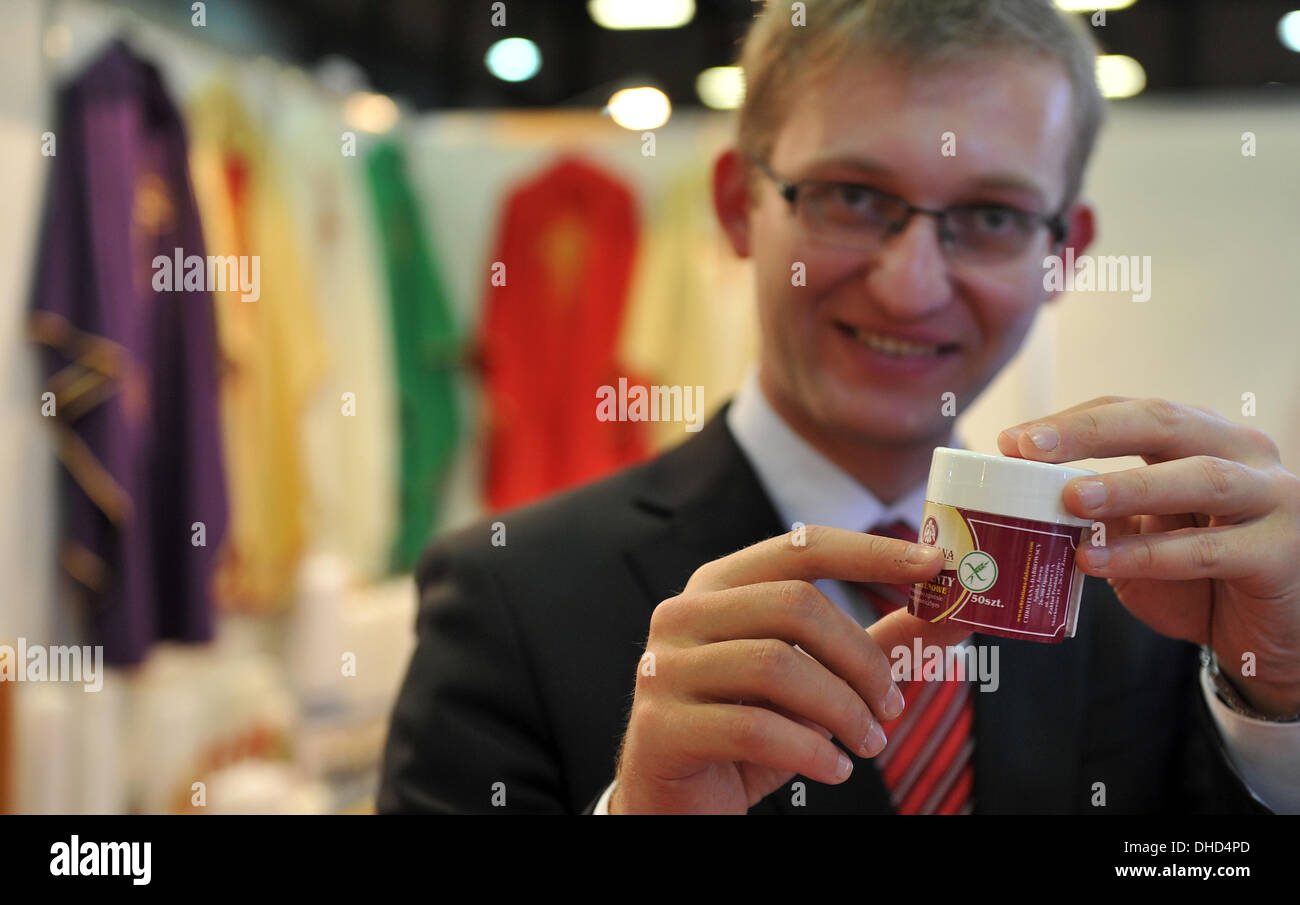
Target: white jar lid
(1002,485)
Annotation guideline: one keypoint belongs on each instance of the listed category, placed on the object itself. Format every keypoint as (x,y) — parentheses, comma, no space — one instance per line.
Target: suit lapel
(712,505)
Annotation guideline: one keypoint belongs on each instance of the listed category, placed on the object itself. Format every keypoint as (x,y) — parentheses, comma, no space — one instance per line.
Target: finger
(1218,552)
(823,553)
(1007,440)
(1156,429)
(801,720)
(797,613)
(773,671)
(1204,484)
(1113,527)
(759,779)
(721,733)
(789,715)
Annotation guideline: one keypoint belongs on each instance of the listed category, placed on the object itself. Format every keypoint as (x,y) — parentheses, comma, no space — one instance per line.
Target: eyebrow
(867,166)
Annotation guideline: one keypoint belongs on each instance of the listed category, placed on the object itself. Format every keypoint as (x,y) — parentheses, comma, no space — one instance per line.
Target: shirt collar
(802,484)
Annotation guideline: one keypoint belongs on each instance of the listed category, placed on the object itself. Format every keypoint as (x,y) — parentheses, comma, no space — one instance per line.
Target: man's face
(1011,124)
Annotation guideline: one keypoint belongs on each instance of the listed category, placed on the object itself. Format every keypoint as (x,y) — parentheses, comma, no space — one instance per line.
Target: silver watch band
(1229,695)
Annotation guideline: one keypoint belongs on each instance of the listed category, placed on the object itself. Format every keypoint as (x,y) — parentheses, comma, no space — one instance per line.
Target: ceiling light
(1091,6)
(370,112)
(1120,76)
(513,59)
(722,87)
(624,14)
(639,109)
(1288,30)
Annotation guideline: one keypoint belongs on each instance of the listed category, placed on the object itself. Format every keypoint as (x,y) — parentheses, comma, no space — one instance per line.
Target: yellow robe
(272,351)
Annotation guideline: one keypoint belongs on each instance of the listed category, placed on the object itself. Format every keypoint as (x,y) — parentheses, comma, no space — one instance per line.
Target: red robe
(567,240)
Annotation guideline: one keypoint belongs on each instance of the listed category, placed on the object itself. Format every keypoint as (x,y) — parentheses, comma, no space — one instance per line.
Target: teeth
(891,346)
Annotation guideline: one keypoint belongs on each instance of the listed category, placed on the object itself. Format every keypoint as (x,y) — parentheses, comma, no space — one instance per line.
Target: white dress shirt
(804,486)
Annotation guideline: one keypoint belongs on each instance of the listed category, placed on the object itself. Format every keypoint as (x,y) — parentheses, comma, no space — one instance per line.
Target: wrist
(1250,696)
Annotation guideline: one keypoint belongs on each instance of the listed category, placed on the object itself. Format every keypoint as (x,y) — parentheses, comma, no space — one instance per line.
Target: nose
(909,276)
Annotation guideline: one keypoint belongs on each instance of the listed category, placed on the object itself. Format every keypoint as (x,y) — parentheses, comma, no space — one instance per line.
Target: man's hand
(1203,543)
(732,710)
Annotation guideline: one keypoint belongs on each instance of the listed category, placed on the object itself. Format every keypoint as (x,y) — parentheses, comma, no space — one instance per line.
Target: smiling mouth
(894,346)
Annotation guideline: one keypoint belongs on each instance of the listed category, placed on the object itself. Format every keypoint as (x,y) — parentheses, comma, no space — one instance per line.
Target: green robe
(426,348)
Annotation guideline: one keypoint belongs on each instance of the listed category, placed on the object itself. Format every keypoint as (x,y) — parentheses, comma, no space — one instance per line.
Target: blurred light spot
(370,112)
(722,87)
(621,14)
(1091,6)
(639,109)
(513,59)
(1288,29)
(1120,76)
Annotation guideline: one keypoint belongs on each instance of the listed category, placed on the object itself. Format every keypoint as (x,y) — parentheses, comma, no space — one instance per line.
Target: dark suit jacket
(527,656)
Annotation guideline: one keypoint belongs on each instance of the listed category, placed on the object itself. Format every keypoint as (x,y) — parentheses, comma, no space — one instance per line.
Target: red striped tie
(927,764)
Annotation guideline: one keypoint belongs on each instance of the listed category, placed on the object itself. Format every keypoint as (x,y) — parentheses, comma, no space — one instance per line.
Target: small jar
(1008,546)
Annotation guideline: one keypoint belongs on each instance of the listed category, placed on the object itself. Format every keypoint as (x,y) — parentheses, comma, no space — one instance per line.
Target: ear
(1081,226)
(731,198)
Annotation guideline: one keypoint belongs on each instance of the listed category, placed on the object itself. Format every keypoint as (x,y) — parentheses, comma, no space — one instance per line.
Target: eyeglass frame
(790,192)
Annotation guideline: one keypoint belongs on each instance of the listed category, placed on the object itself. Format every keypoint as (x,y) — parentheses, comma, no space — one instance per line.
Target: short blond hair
(779,58)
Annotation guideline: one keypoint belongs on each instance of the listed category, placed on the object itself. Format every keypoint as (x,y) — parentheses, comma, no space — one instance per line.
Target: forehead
(1009,119)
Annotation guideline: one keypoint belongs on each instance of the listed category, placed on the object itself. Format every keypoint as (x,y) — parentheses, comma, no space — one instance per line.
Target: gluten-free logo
(977,571)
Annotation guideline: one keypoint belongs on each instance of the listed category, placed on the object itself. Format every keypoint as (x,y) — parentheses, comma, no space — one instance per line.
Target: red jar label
(1005,576)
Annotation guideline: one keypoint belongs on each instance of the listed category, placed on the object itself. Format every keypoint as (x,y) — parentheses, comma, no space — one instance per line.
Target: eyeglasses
(852,215)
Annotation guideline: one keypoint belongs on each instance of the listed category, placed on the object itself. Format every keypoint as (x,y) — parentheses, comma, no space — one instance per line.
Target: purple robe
(134,370)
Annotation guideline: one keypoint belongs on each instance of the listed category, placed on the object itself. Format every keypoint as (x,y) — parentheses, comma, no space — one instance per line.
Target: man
(680,588)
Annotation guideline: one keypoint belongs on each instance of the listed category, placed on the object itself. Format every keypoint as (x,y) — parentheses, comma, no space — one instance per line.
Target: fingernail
(843,767)
(874,743)
(1098,556)
(893,702)
(1091,493)
(1044,436)
(920,554)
